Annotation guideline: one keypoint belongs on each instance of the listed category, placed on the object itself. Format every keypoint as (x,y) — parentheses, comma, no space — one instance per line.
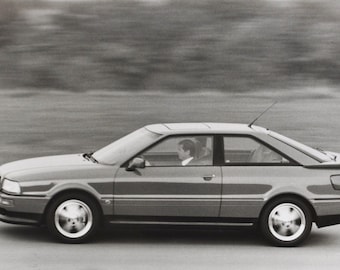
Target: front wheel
(72,218)
(286,222)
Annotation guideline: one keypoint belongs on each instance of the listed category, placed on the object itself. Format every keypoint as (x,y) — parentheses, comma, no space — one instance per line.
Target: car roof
(180,128)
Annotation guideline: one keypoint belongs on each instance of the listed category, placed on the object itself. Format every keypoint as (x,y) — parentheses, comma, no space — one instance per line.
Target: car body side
(241,191)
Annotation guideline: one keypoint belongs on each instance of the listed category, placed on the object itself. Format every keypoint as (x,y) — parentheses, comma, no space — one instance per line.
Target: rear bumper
(327,212)
(324,221)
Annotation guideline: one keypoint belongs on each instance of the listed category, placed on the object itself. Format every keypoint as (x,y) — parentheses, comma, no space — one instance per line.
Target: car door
(251,169)
(166,187)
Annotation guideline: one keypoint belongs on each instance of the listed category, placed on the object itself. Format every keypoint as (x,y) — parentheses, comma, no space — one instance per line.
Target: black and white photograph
(169,134)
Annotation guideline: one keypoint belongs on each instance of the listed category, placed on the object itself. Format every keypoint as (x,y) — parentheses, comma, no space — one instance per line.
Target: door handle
(209,177)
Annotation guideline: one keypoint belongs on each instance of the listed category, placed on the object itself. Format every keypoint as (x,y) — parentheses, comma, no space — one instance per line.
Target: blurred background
(78,74)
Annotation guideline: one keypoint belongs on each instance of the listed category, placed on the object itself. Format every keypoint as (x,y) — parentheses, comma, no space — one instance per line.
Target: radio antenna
(251,123)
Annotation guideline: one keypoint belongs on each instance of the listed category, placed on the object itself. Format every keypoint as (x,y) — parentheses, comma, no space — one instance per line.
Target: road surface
(28,248)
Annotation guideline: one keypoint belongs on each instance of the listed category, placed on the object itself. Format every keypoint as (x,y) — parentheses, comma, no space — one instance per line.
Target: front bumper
(20,218)
(22,209)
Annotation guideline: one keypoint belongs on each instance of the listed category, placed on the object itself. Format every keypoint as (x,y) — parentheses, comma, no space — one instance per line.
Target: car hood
(43,164)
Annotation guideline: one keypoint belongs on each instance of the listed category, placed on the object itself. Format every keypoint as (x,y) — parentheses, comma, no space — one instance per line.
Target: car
(184,174)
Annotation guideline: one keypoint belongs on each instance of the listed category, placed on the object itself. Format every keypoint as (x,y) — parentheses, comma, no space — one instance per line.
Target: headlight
(11,187)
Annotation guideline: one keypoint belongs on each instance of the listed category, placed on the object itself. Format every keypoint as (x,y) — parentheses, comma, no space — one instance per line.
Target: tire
(286,222)
(72,218)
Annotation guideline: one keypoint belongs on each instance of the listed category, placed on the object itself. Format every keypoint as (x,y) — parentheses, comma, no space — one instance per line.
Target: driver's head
(185,149)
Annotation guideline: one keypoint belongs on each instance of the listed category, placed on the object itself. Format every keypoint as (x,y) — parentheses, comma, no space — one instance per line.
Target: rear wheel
(286,222)
(72,218)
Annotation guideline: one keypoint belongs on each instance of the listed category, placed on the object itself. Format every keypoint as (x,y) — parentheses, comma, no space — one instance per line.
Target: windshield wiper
(89,156)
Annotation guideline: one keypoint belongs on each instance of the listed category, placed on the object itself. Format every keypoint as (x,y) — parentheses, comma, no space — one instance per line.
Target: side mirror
(137,162)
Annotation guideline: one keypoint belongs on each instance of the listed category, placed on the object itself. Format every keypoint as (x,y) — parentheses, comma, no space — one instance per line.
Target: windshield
(125,147)
(312,152)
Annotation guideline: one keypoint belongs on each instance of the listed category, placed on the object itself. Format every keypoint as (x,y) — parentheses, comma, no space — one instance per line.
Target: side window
(181,151)
(247,150)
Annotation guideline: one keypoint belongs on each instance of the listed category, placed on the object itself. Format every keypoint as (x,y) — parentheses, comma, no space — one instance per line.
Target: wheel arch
(74,192)
(291,195)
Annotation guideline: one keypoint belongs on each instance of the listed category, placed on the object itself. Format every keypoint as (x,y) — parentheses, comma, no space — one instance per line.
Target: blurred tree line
(188,45)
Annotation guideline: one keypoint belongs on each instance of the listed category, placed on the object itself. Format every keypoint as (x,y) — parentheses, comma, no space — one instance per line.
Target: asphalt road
(31,248)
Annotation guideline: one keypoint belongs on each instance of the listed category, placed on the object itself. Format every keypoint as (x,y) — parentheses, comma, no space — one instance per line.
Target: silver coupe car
(202,174)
